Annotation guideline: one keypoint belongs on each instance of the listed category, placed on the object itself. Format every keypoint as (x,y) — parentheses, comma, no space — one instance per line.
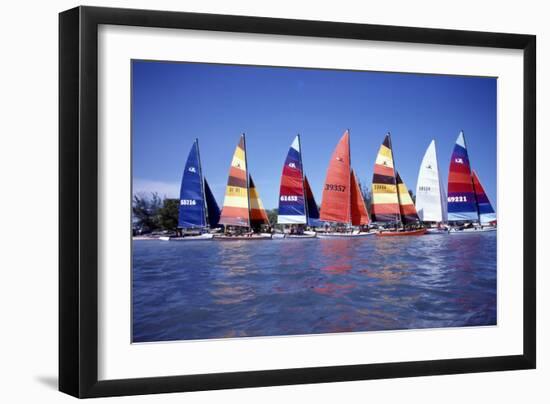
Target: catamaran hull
(264,236)
(436,231)
(472,231)
(306,234)
(418,232)
(344,235)
(205,236)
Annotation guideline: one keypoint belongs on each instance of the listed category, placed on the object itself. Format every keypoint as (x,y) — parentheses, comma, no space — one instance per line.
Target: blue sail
(192,204)
(211,206)
(312,208)
(461,197)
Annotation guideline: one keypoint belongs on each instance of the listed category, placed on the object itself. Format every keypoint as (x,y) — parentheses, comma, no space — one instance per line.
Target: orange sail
(336,206)
(359,214)
(235,210)
(258,215)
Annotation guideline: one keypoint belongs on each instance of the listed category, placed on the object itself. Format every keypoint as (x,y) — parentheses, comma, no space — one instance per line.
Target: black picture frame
(78,201)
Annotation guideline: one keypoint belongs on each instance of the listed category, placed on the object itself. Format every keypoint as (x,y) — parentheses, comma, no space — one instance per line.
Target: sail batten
(385,200)
(192,212)
(431,202)
(236,205)
(461,198)
(486,212)
(335,205)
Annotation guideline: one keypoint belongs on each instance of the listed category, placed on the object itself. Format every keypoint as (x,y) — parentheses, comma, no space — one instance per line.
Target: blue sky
(174,103)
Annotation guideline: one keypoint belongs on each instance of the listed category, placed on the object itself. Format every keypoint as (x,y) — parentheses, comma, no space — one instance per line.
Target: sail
(292,203)
(461,200)
(359,214)
(235,210)
(385,204)
(258,215)
(430,195)
(191,207)
(335,206)
(312,209)
(486,212)
(211,206)
(406,205)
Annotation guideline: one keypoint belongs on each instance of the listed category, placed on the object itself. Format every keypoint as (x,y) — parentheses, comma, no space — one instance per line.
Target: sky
(173,103)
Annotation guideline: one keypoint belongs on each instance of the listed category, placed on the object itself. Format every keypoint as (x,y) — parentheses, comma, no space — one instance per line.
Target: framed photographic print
(251,201)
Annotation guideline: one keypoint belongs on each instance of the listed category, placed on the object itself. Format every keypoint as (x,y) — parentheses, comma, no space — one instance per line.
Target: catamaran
(297,206)
(391,202)
(198,210)
(470,210)
(243,214)
(343,202)
(431,204)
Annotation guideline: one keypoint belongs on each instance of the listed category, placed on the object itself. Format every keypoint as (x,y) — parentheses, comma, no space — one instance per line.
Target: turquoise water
(215,289)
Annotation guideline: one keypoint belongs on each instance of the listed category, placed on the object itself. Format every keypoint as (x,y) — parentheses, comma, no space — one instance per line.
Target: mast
(247,181)
(396,184)
(349,182)
(303,180)
(204,209)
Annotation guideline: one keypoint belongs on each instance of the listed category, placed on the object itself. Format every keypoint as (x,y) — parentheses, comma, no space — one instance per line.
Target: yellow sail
(385,203)
(258,215)
(235,210)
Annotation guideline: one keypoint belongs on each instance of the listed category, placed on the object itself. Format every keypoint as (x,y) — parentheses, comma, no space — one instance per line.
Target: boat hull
(344,235)
(472,231)
(418,232)
(253,237)
(205,236)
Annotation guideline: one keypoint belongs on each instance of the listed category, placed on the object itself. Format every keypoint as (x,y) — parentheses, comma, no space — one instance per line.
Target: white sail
(430,194)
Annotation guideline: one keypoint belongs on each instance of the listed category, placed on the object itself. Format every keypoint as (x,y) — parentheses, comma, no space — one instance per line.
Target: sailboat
(242,210)
(466,203)
(391,201)
(343,202)
(198,210)
(297,206)
(431,204)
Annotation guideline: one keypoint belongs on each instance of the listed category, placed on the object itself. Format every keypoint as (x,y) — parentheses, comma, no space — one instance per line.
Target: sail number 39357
(335,187)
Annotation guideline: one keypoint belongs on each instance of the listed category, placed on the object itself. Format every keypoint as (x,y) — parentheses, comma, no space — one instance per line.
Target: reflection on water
(199,290)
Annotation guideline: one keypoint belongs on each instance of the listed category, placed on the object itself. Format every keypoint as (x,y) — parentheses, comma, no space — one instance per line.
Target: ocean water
(215,289)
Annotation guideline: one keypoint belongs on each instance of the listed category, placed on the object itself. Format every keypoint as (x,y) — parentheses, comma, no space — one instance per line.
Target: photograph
(272,201)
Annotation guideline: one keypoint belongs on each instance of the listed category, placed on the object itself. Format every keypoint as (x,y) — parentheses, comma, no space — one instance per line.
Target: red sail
(335,206)
(359,214)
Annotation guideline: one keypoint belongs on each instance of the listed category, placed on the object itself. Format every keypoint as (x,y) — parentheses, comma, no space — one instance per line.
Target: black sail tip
(387,141)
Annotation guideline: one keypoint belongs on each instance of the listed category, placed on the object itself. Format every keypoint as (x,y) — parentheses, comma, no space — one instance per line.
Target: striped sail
(431,202)
(258,215)
(211,206)
(486,212)
(235,210)
(385,203)
(335,206)
(461,199)
(292,202)
(192,202)
(359,214)
(312,208)
(406,205)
